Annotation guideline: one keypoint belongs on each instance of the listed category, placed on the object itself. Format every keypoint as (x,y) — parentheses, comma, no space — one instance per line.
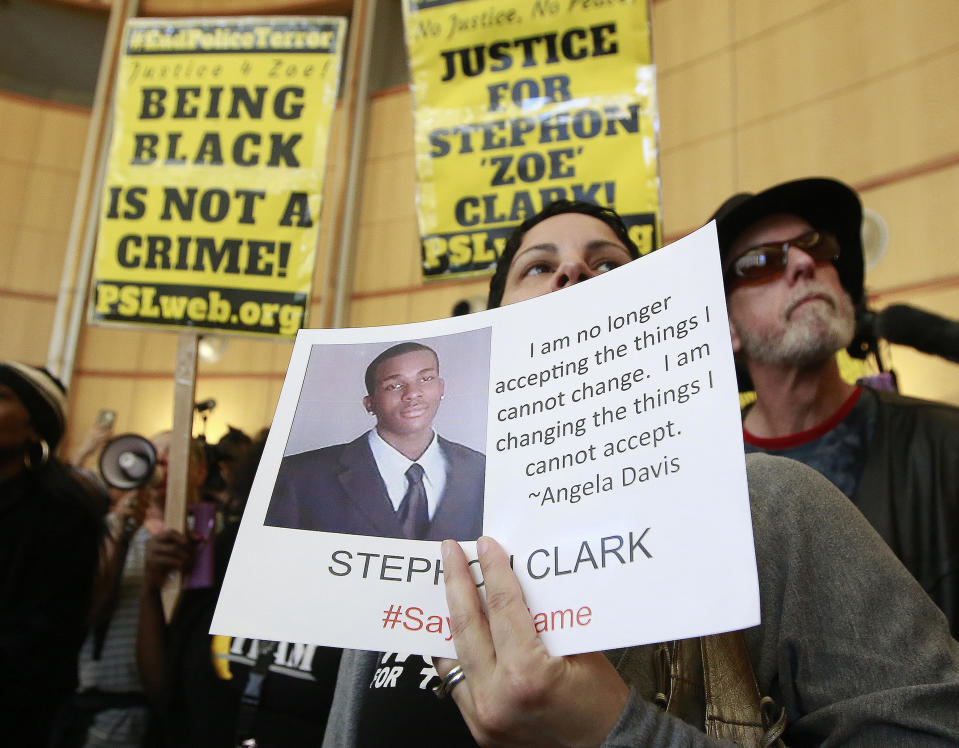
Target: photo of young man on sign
(400,478)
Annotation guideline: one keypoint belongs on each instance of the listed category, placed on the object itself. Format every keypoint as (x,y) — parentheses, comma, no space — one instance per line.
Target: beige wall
(40,151)
(752,92)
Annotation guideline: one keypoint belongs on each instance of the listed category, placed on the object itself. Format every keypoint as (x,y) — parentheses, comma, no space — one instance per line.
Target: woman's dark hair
(497,284)
(243,473)
(229,450)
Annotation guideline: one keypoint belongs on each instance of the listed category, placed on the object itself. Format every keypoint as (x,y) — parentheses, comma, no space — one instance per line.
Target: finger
(179,547)
(178,550)
(170,555)
(168,562)
(460,693)
(443,665)
(171,536)
(468,624)
(510,624)
(166,548)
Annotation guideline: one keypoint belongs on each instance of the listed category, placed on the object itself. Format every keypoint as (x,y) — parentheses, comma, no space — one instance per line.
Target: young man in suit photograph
(400,479)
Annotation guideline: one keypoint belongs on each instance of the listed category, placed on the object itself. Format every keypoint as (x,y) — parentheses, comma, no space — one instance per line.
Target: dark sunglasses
(767,260)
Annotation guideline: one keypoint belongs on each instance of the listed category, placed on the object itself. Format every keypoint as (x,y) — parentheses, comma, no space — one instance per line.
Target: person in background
(850,649)
(226,455)
(793,268)
(110,701)
(51,526)
(219,691)
(99,434)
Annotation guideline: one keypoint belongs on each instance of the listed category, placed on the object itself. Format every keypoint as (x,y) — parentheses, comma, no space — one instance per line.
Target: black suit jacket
(339,489)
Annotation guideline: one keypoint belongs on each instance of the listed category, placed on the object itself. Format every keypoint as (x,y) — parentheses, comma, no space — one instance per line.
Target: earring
(44,456)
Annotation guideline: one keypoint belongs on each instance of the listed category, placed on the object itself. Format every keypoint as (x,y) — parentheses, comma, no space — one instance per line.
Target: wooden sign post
(184,390)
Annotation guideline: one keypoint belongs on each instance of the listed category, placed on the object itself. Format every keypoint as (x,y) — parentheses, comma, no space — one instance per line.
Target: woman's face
(559,252)
(16,432)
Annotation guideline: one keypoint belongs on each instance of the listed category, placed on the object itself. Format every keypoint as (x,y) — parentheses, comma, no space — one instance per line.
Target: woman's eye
(607,265)
(537,269)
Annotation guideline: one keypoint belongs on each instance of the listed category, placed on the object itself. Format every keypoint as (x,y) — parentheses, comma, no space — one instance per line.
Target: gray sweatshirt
(849,643)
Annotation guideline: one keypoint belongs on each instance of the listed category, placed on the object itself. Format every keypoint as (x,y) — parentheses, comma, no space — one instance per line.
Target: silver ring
(449,682)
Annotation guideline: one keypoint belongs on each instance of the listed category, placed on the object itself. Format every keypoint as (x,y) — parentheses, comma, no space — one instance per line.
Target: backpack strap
(734,708)
(681,679)
(710,682)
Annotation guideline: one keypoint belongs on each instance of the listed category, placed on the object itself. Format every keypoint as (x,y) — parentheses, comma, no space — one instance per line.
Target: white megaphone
(127,461)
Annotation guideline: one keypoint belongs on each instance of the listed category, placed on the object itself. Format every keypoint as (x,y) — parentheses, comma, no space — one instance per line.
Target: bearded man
(793,267)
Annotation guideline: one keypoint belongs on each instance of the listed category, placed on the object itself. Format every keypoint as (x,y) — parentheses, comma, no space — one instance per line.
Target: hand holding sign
(515,692)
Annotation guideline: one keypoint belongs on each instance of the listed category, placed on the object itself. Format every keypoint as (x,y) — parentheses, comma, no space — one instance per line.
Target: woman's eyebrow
(594,245)
(597,244)
(543,247)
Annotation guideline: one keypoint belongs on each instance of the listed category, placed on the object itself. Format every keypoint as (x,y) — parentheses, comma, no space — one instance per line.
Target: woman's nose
(570,273)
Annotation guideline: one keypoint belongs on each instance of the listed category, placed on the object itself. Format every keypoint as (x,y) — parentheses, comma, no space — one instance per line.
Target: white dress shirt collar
(393,465)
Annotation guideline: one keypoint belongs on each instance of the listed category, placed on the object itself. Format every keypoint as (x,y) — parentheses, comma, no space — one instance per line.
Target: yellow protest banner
(210,211)
(522,102)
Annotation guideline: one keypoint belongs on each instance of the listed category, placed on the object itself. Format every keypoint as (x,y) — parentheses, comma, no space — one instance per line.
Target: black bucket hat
(825,204)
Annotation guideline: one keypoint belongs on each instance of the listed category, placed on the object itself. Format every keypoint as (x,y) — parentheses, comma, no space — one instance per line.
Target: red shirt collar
(804,437)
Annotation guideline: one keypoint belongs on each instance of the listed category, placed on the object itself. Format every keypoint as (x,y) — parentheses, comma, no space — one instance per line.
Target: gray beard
(812,338)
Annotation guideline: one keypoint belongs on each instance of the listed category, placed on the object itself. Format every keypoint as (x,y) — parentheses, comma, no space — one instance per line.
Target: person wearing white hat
(50,534)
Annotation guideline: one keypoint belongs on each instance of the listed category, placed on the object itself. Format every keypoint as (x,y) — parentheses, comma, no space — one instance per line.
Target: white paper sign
(615,475)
